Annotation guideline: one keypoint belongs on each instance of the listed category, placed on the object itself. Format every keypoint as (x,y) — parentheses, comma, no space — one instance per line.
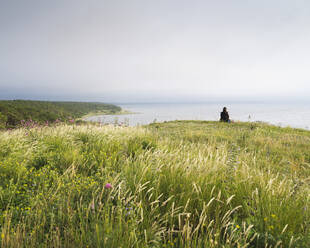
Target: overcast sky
(154,50)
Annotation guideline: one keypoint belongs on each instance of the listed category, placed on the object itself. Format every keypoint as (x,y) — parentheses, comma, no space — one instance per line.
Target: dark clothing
(224,116)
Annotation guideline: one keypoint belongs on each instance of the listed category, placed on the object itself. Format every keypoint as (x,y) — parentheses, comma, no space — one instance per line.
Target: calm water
(294,115)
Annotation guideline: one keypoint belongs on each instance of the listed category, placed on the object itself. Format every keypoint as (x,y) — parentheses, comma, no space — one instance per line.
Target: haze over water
(125,51)
(293,115)
(159,51)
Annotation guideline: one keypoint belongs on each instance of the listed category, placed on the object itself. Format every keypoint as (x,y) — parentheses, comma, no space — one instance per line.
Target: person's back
(224,115)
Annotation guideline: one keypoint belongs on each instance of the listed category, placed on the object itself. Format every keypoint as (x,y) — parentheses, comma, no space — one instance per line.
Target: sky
(155,50)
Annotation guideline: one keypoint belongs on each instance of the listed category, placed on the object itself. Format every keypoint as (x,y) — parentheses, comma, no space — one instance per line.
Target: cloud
(119,48)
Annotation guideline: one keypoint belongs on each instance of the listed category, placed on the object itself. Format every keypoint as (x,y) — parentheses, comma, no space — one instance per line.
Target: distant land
(13,112)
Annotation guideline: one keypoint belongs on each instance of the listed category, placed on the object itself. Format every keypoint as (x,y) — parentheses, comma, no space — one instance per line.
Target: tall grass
(175,184)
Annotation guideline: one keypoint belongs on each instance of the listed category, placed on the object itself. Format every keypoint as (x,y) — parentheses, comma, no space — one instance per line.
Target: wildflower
(2,235)
(128,211)
(237,226)
(108,186)
(273,216)
(265,219)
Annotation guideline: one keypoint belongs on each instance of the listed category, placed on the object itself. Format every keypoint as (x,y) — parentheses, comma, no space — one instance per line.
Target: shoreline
(94,114)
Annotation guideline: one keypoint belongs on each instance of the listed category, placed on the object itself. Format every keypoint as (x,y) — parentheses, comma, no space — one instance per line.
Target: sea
(295,115)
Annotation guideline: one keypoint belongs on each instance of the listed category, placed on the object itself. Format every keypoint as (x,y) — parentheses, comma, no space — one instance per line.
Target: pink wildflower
(108,186)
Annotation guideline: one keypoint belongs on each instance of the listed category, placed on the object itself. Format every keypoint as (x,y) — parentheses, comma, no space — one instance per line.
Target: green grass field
(175,184)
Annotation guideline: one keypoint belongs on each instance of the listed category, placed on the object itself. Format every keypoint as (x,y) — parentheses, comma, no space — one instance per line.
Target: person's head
(224,109)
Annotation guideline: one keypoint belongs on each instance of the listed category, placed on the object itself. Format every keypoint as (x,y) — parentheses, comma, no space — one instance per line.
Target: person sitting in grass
(224,115)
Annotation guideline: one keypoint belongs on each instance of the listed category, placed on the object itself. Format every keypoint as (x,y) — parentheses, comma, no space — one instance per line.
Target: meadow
(173,184)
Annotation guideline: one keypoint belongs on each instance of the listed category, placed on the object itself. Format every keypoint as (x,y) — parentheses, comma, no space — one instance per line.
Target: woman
(225,115)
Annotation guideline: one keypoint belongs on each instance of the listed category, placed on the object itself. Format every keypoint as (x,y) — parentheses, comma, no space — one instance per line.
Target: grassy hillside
(175,184)
(13,112)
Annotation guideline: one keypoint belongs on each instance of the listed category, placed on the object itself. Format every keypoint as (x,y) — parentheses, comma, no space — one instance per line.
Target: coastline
(93,114)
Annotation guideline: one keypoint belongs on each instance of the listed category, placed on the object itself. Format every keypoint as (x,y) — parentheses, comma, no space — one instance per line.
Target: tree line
(13,112)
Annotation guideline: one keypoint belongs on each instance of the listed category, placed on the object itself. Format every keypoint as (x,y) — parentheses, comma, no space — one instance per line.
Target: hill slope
(175,184)
(13,112)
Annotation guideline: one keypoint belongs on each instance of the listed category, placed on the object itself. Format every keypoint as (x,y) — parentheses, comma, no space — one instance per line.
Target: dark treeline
(12,113)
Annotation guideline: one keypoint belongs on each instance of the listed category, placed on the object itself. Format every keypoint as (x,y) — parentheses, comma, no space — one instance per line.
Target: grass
(174,184)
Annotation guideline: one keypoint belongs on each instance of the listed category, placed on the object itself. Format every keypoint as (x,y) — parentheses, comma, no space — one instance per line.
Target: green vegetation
(175,184)
(12,113)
